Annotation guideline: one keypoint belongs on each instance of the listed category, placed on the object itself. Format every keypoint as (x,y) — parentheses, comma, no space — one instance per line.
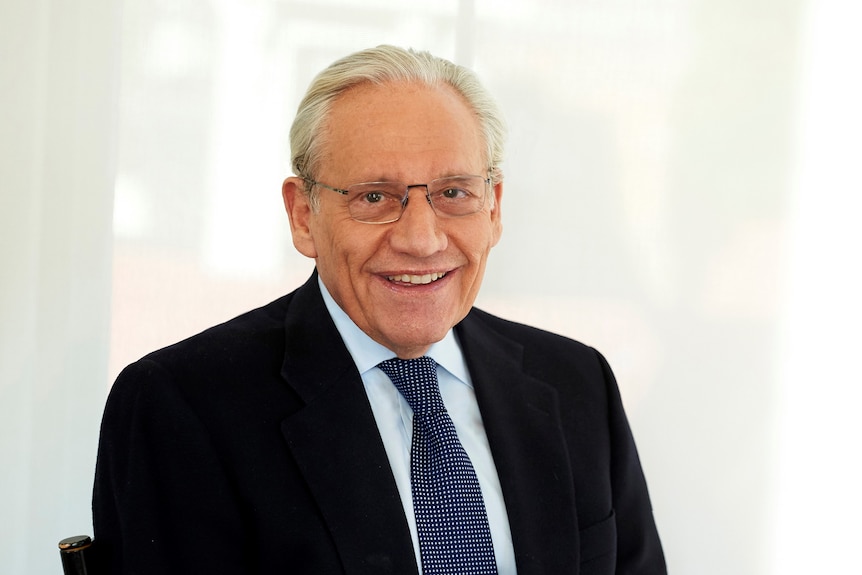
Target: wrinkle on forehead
(409,132)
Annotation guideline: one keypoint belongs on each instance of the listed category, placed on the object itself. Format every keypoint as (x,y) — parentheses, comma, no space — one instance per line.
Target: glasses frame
(406,197)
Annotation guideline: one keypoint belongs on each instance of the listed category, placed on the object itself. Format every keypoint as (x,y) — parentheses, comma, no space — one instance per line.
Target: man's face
(382,275)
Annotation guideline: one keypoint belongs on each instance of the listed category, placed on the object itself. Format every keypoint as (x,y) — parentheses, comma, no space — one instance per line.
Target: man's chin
(407,346)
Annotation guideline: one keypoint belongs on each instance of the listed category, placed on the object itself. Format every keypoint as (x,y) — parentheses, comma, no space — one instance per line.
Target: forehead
(396,130)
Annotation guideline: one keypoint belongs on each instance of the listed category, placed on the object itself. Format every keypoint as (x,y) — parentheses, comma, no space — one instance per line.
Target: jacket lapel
(336,444)
(522,421)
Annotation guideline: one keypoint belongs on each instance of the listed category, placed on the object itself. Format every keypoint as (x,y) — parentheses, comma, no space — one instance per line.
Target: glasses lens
(382,202)
(375,202)
(458,195)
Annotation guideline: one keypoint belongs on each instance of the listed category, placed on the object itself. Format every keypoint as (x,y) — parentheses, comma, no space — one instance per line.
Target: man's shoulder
(216,371)
(259,327)
(527,335)
(498,346)
(539,350)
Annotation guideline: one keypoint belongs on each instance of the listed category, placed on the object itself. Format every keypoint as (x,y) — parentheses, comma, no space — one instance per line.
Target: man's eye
(453,193)
(373,197)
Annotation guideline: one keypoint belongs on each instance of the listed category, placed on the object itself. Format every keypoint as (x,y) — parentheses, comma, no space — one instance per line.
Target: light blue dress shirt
(395,422)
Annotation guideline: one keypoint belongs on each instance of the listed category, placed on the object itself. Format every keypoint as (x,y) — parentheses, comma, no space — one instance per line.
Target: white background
(682,191)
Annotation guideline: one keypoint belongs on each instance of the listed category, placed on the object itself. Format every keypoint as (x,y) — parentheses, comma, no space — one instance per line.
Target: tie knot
(416,380)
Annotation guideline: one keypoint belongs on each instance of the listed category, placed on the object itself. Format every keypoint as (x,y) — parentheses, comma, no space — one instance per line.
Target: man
(295,438)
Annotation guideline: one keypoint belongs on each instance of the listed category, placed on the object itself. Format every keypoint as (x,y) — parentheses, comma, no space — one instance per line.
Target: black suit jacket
(252,448)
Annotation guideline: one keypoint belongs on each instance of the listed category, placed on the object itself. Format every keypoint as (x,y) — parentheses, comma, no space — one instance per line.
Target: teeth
(418,280)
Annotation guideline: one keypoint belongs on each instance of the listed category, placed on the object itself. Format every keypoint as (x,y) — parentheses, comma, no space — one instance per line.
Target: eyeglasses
(384,202)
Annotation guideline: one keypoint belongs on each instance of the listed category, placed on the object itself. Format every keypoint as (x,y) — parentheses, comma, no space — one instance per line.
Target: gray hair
(379,66)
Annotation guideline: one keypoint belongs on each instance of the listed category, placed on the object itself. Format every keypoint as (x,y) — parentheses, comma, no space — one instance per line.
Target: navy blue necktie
(454,537)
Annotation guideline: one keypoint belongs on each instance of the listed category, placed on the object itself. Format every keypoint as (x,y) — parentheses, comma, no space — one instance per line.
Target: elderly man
(373,421)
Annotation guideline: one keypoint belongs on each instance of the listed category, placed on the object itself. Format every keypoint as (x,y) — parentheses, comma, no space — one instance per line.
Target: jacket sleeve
(639,550)
(162,502)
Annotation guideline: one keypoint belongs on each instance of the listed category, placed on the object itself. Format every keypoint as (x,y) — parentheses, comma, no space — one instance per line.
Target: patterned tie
(454,538)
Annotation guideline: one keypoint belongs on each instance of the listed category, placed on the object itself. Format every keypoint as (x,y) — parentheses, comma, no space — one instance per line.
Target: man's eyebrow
(446,174)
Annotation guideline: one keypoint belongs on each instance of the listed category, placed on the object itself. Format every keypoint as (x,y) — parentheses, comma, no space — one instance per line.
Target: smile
(417,280)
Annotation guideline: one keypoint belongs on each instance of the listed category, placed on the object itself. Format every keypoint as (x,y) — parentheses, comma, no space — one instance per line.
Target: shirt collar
(367,353)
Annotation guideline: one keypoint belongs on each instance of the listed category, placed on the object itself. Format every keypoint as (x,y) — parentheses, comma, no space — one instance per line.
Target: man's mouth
(417,280)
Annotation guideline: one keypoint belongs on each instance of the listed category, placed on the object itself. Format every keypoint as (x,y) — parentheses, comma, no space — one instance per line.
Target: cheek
(343,246)
(325,233)
(477,245)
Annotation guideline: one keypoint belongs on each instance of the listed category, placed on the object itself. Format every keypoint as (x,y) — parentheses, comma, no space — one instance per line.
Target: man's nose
(418,232)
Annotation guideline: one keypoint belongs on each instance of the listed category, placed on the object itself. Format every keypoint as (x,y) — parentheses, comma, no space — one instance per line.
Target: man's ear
(496,216)
(299,213)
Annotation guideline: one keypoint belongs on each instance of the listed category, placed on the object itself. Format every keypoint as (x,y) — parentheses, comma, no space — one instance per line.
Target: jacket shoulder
(540,347)
(251,334)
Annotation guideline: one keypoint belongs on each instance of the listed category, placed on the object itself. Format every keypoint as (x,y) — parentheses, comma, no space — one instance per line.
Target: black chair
(76,554)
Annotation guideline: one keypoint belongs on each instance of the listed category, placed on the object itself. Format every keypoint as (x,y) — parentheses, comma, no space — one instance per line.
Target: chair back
(76,555)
